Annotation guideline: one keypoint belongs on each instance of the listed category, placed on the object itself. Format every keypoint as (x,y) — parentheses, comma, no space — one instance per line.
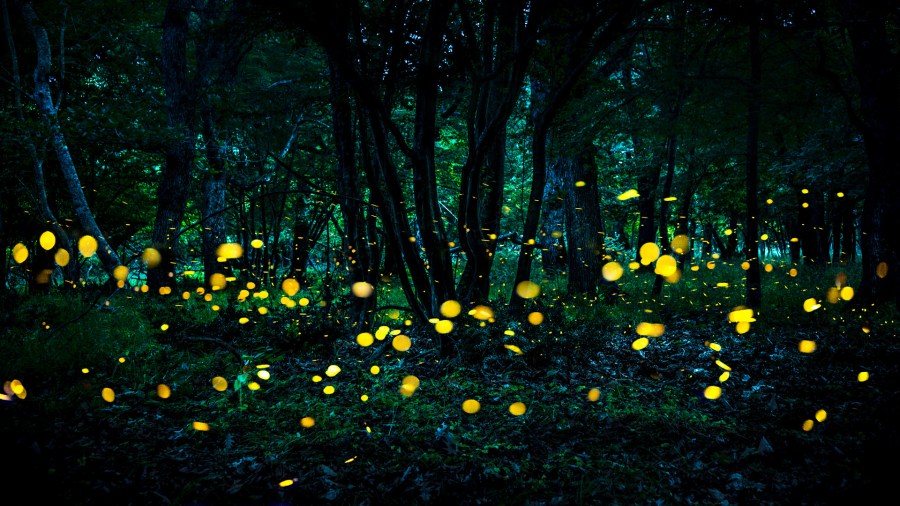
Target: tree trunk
(671,152)
(70,271)
(581,48)
(584,226)
(359,250)
(730,247)
(837,211)
(44,101)
(753,295)
(877,68)
(176,175)
(811,227)
(552,242)
(493,100)
(848,235)
(708,237)
(428,214)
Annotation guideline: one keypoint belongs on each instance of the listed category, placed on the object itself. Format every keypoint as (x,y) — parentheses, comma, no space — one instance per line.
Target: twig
(91,306)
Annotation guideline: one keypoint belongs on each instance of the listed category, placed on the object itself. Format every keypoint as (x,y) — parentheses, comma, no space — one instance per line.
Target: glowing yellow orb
(471,406)
(120,273)
(220,384)
(230,250)
(290,287)
(712,392)
(20,253)
(481,312)
(807,346)
(401,342)
(450,308)
(87,246)
(365,339)
(163,391)
(680,244)
(640,343)
(362,289)
(649,252)
(61,257)
(810,305)
(611,271)
(443,326)
(151,257)
(47,240)
(528,289)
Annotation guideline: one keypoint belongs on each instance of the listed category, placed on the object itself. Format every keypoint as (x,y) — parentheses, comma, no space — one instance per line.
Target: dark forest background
(663,217)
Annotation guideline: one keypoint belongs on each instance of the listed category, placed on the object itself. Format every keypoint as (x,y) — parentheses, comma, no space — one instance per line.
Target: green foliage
(650,420)
(650,437)
(62,334)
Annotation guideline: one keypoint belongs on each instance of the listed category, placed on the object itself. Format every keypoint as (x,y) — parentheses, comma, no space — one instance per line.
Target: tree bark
(848,235)
(360,251)
(552,241)
(214,221)
(428,214)
(177,172)
(44,100)
(70,271)
(877,68)
(584,225)
(753,294)
(506,47)
(599,33)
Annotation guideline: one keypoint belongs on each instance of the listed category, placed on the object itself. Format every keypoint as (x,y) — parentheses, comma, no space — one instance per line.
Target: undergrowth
(649,434)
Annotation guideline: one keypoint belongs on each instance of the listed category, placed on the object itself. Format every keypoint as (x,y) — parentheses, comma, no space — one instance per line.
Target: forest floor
(650,437)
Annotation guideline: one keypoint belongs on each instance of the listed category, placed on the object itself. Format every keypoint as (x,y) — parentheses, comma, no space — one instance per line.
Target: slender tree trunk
(837,211)
(877,68)
(648,179)
(494,97)
(214,186)
(811,225)
(708,234)
(848,235)
(552,242)
(44,101)
(684,223)
(357,248)
(730,247)
(754,92)
(533,210)
(428,214)
(177,172)
(671,152)
(70,271)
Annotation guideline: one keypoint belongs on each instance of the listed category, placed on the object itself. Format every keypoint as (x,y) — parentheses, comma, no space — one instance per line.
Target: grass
(651,437)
